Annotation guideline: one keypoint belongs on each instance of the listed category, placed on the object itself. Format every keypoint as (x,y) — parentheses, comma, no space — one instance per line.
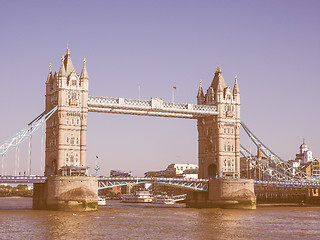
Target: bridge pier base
(66,193)
(226,193)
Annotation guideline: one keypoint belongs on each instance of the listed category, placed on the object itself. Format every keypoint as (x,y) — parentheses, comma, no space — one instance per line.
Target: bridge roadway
(192,184)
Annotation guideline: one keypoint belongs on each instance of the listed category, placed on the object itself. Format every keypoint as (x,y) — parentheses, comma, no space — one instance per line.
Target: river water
(151,221)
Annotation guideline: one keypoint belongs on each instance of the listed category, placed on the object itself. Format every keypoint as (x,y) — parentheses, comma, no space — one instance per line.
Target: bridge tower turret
(66,129)
(219,139)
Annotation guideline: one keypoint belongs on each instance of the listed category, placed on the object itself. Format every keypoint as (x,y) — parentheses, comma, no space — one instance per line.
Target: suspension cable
(42,149)
(285,166)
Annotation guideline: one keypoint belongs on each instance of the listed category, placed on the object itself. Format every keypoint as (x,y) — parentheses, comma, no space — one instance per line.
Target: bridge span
(190,184)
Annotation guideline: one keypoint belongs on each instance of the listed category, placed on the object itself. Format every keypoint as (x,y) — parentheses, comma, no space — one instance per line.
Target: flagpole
(173,95)
(173,88)
(139,90)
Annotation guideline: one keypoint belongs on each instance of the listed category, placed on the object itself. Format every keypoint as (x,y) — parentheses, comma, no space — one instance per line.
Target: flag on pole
(175,88)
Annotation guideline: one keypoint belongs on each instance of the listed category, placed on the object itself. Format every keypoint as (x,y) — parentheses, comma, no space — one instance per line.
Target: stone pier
(225,193)
(66,193)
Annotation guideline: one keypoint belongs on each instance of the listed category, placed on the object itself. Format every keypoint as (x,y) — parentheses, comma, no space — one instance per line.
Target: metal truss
(154,107)
(22,179)
(278,168)
(12,142)
(191,184)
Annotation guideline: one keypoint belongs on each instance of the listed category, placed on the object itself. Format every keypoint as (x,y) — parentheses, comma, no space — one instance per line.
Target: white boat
(138,197)
(163,199)
(102,201)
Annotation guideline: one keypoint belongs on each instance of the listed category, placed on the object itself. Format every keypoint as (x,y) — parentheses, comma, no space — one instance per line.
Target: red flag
(175,88)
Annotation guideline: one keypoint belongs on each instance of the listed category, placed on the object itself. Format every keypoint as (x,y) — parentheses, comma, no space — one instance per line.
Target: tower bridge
(67,186)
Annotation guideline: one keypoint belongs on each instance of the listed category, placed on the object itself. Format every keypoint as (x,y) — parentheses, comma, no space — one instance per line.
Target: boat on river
(102,201)
(163,199)
(138,197)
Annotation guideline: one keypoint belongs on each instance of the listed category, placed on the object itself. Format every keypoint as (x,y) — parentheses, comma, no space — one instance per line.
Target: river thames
(151,221)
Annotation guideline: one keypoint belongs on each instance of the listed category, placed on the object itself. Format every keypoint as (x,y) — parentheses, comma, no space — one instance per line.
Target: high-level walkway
(154,107)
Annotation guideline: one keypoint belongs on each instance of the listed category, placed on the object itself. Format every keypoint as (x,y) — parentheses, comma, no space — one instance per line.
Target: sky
(272,46)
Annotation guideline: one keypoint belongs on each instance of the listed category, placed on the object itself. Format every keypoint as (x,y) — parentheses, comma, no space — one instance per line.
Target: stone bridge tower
(219,139)
(219,150)
(67,186)
(66,129)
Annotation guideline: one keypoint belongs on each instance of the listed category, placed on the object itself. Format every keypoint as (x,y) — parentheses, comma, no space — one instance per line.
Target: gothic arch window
(72,141)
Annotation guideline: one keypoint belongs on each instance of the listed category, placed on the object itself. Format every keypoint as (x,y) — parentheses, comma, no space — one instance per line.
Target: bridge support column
(226,193)
(66,193)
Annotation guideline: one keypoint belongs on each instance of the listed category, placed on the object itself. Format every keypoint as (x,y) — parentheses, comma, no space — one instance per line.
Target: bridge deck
(194,184)
(154,107)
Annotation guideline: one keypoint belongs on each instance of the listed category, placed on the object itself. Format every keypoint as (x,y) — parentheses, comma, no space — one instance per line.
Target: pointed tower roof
(219,87)
(62,71)
(236,87)
(68,63)
(49,78)
(200,91)
(84,73)
(218,80)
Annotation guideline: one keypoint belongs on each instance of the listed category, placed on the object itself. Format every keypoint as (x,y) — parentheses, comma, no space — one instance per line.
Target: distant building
(305,154)
(294,163)
(248,169)
(186,170)
(177,170)
(118,173)
(155,174)
(305,161)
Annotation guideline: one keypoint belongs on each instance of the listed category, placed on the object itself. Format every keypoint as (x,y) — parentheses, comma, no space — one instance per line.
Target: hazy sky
(273,47)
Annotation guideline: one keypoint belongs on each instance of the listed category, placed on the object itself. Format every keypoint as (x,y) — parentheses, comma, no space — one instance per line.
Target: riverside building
(305,161)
